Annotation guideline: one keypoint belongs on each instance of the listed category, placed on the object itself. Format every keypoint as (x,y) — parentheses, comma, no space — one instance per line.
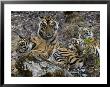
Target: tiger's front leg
(37,53)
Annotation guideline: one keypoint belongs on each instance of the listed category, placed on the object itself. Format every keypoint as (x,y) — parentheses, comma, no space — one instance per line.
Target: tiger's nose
(49,35)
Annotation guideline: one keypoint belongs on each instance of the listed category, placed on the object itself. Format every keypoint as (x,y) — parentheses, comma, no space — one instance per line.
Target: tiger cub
(46,37)
(66,58)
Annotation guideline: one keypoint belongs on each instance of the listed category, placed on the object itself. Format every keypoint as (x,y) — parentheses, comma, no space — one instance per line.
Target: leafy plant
(88,40)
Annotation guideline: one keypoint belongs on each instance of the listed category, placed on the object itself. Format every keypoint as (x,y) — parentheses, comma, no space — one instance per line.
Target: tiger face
(47,28)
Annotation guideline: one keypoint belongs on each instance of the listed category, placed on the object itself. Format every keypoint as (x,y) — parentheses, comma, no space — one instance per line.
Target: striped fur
(66,58)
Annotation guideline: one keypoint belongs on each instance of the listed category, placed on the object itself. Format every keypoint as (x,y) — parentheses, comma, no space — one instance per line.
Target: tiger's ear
(40,18)
(54,17)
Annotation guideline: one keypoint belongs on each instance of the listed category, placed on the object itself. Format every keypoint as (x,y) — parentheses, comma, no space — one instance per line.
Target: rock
(73,29)
(84,75)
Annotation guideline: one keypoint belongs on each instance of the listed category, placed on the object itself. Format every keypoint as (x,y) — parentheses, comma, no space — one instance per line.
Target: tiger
(48,46)
(46,37)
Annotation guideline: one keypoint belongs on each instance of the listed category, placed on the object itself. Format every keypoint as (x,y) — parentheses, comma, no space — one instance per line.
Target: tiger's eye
(43,25)
(43,29)
(53,23)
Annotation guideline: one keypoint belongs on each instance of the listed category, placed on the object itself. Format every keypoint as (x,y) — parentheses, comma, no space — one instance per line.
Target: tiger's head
(47,28)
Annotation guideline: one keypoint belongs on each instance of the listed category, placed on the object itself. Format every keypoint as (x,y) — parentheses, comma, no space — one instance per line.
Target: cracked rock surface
(82,28)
